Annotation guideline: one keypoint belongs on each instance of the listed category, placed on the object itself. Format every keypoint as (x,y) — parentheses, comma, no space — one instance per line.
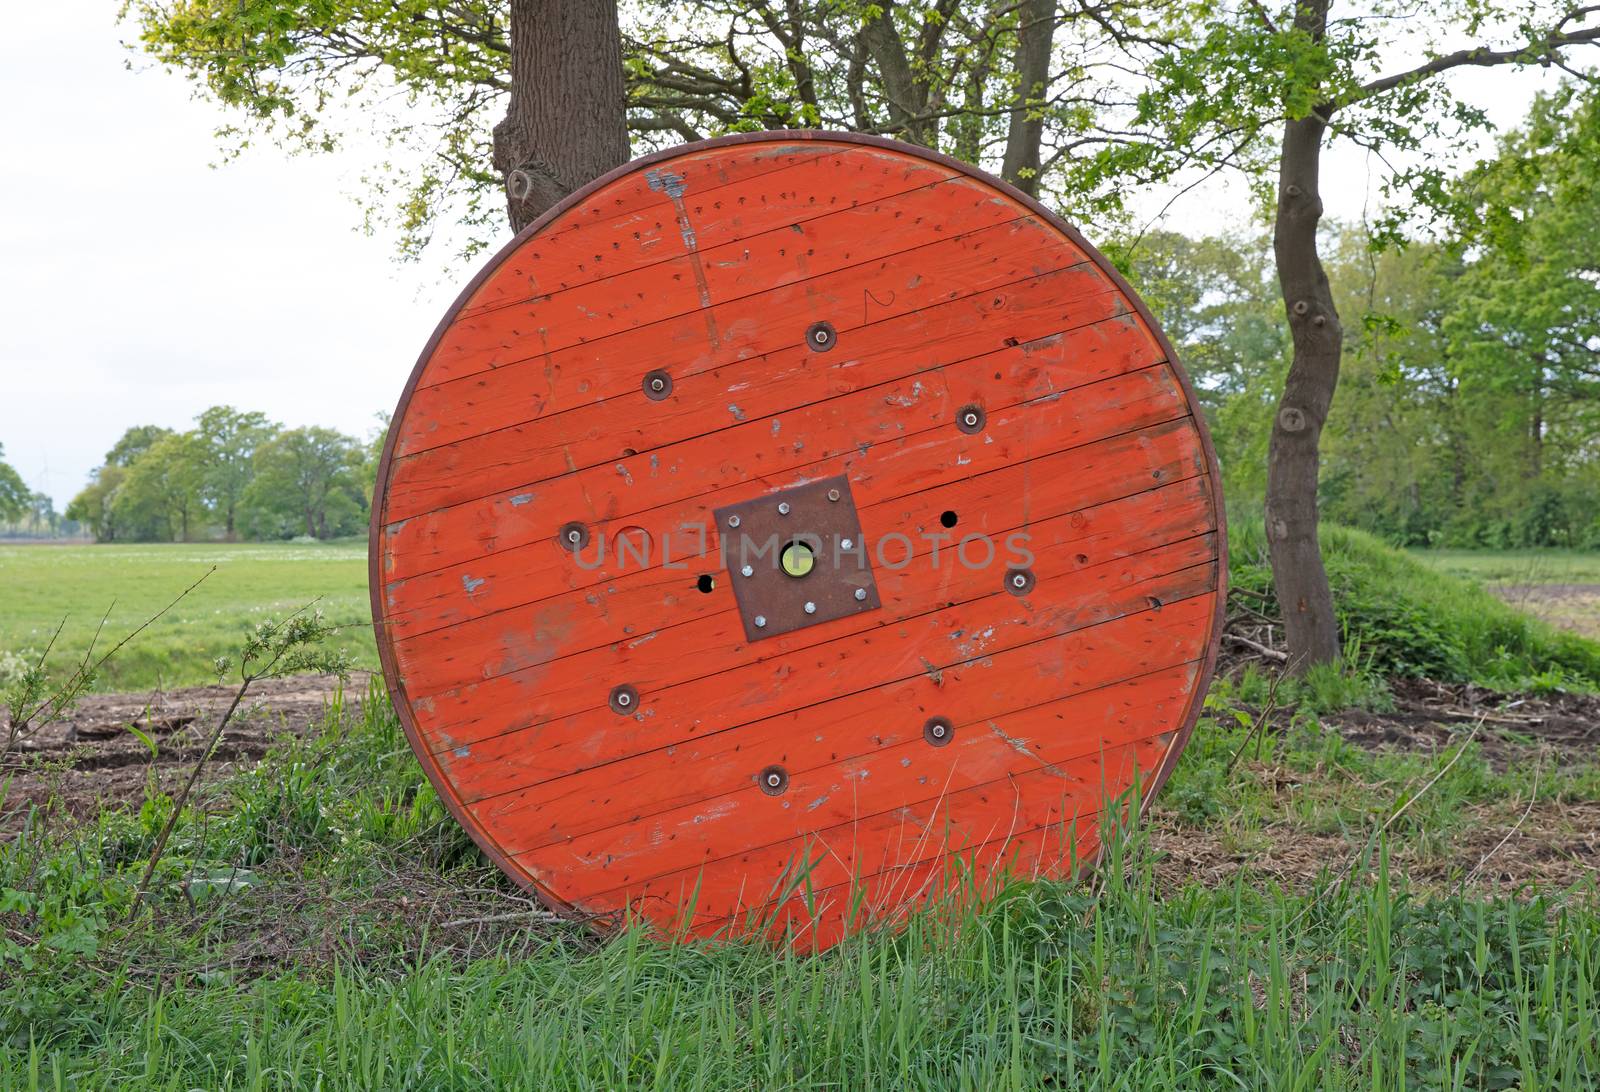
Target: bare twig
(1257,647)
(1261,721)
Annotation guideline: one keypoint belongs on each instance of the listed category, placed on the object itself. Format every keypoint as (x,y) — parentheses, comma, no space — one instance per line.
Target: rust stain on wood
(824,305)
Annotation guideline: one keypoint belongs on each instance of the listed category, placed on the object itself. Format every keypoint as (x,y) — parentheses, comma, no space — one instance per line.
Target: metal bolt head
(861,594)
(773,780)
(970,419)
(833,494)
(1019,581)
(820,337)
(747,571)
(733,521)
(783,508)
(811,608)
(938,731)
(572,537)
(847,544)
(760,620)
(657,385)
(623,699)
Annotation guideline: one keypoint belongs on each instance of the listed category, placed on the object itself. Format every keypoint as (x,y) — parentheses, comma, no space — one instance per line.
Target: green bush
(1408,620)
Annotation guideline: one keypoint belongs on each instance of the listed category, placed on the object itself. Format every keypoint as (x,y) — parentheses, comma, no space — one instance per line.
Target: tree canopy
(1027,89)
(234,473)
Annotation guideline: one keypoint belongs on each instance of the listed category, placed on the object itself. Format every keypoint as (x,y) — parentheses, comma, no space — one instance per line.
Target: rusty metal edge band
(386,657)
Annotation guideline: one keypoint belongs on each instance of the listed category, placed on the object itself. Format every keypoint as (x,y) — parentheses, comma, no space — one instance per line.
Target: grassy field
(42,585)
(1561,587)
(1516,566)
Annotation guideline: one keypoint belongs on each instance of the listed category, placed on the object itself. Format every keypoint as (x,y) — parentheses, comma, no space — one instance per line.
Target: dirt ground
(90,760)
(1500,847)
(1575,607)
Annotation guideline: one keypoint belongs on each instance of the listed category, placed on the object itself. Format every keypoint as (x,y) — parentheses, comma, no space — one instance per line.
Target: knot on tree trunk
(532,183)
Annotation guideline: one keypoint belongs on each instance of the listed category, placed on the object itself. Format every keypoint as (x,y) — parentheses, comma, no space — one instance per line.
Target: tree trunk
(1298,575)
(567,120)
(907,96)
(1035,32)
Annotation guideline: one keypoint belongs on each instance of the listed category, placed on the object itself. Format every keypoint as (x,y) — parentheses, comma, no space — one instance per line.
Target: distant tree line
(1468,411)
(235,475)
(24,513)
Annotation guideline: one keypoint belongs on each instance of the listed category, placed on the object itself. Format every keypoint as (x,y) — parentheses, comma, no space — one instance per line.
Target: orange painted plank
(992,655)
(943,884)
(501,460)
(500,764)
(528,451)
(941,569)
(712,831)
(710,766)
(478,710)
(849,298)
(1067,737)
(726,274)
(521,573)
(635,486)
(651,216)
(1130,401)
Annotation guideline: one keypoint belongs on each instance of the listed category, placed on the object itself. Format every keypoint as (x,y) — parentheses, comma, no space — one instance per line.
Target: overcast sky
(139,285)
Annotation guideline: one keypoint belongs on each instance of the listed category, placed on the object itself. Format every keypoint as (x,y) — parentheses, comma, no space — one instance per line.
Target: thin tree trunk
(567,121)
(1293,460)
(1035,31)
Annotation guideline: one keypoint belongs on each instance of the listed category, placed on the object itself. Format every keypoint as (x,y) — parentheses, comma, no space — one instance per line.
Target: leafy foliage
(14,493)
(235,471)
(1401,618)
(311,74)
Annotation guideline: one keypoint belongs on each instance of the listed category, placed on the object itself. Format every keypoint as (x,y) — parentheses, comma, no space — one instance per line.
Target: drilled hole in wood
(798,559)
(947,518)
(707,583)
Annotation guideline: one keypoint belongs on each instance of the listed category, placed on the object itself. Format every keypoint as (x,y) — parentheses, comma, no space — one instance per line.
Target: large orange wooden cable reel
(789,529)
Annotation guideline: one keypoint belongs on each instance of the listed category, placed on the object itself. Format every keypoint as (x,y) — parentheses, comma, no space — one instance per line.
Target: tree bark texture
(1298,574)
(567,121)
(1035,32)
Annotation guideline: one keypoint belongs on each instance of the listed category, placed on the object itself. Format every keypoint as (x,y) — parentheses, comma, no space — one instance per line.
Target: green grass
(1516,566)
(44,584)
(1116,985)
(1402,616)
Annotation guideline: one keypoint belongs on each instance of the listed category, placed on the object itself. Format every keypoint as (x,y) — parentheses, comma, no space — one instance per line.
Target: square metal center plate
(796,558)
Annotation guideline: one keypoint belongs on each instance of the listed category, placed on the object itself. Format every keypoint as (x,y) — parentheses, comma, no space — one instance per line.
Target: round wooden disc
(705,333)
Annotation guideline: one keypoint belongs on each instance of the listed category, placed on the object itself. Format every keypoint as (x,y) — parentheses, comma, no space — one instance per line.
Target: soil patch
(1552,846)
(1431,717)
(91,760)
(1574,607)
